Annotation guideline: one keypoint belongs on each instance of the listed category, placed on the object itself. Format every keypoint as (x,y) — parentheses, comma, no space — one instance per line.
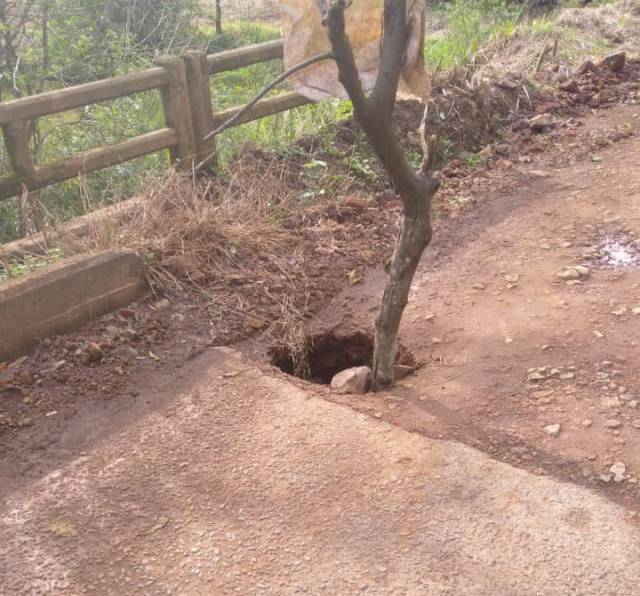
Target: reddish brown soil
(532,191)
(488,311)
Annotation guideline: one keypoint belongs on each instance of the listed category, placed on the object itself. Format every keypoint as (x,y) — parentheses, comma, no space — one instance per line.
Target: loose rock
(615,62)
(535,377)
(582,270)
(576,272)
(541,122)
(539,174)
(162,304)
(353,380)
(552,429)
(569,273)
(95,352)
(618,469)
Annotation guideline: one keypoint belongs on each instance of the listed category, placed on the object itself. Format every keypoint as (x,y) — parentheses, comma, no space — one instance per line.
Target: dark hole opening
(325,355)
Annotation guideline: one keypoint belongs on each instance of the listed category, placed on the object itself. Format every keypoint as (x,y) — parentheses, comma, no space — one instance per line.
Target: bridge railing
(184,85)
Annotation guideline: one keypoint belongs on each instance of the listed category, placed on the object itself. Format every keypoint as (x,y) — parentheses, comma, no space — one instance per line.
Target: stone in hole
(325,355)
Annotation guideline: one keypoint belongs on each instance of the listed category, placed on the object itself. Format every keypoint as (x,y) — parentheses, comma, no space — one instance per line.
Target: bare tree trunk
(46,54)
(218,17)
(416,190)
(415,236)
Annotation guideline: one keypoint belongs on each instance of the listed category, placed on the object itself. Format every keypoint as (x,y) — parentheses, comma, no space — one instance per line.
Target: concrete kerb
(66,295)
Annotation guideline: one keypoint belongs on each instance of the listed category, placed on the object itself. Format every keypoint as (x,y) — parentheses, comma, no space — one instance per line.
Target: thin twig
(545,50)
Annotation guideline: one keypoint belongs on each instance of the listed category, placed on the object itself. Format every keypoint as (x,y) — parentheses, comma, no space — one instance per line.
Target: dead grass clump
(221,241)
(615,23)
(251,10)
(197,230)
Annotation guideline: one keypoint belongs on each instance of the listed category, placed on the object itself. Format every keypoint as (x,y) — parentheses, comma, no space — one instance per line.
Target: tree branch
(394,41)
(369,112)
(343,54)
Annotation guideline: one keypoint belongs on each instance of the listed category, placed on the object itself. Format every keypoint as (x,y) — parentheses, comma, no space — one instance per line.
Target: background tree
(416,189)
(218,17)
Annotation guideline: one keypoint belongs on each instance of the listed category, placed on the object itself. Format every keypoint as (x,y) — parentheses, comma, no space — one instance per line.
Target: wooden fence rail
(189,116)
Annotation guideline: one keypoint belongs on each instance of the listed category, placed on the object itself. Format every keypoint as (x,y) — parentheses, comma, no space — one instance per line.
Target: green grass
(542,27)
(29,263)
(239,33)
(471,24)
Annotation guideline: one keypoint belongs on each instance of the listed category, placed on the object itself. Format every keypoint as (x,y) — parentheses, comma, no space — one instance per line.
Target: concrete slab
(247,485)
(64,296)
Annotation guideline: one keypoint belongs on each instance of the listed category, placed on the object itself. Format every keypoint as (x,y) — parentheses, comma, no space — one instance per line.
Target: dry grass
(193,230)
(220,242)
(255,10)
(242,252)
(617,23)
(575,34)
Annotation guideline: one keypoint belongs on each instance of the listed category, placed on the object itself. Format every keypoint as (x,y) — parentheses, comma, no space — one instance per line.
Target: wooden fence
(189,116)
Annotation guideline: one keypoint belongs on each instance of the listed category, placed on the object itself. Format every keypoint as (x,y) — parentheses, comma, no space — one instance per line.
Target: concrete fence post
(177,111)
(197,72)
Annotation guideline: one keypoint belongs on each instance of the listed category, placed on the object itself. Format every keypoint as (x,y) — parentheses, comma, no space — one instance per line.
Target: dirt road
(248,485)
(227,477)
(510,348)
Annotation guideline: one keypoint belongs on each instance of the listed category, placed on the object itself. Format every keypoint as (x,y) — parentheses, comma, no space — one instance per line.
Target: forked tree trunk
(416,190)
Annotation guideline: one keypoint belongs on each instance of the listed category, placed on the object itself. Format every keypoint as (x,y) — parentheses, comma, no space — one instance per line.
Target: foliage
(471,24)
(90,40)
(28,264)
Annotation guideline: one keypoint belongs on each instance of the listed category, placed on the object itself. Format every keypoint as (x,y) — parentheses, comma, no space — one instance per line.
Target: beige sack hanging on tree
(305,37)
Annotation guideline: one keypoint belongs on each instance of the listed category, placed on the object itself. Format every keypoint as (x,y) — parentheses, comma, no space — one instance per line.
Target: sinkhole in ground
(324,355)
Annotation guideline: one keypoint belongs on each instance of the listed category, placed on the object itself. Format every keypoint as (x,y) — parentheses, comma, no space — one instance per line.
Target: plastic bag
(306,37)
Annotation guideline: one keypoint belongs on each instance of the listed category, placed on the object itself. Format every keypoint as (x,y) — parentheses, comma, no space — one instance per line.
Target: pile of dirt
(469,112)
(611,81)
(475,105)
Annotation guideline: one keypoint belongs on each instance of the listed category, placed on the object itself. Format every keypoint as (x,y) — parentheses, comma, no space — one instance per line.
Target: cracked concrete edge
(65,296)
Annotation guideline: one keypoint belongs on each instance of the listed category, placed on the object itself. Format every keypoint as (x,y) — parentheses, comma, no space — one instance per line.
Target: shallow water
(619,252)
